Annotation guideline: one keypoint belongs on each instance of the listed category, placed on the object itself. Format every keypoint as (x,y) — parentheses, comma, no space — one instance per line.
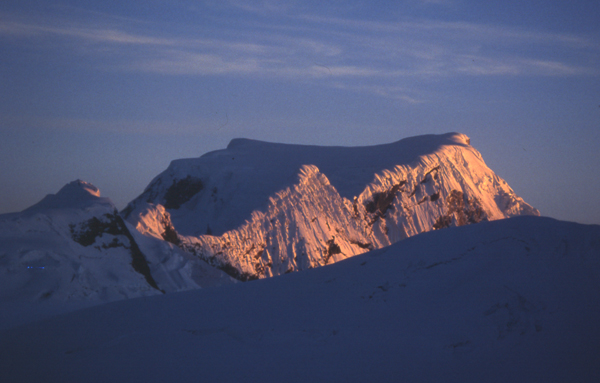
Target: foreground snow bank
(514,300)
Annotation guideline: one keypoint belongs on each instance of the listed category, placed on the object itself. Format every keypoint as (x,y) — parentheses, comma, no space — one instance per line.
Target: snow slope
(513,300)
(73,248)
(259,209)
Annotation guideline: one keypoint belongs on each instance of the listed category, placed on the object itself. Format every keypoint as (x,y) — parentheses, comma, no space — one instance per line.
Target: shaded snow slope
(74,247)
(514,300)
(260,209)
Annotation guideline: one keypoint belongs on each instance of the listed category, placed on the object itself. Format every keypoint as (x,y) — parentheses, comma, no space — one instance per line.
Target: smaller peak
(77,194)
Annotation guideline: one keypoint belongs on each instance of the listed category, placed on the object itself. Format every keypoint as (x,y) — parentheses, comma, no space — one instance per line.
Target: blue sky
(110,91)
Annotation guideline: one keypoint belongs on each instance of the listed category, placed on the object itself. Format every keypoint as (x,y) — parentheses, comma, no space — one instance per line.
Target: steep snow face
(74,246)
(514,300)
(260,209)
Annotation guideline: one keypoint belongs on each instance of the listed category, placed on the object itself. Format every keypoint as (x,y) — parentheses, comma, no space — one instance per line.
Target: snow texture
(259,209)
(512,300)
(72,249)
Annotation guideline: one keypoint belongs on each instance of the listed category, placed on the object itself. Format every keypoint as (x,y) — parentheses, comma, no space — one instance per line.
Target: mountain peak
(77,194)
(259,209)
(79,188)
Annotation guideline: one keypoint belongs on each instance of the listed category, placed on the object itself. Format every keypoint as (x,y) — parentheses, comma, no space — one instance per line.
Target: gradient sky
(111,91)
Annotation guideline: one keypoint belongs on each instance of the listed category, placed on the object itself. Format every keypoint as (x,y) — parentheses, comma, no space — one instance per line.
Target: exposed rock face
(88,232)
(279,208)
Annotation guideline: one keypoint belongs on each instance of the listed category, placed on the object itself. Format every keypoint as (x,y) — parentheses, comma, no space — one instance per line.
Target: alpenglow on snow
(259,209)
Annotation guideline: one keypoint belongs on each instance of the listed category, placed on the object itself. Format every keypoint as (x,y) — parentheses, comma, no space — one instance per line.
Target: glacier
(513,300)
(251,211)
(259,209)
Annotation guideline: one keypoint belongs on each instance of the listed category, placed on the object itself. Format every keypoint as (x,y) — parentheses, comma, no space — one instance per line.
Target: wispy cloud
(330,49)
(466,32)
(189,63)
(387,91)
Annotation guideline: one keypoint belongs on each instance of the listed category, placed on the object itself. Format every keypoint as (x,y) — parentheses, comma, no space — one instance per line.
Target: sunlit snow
(259,209)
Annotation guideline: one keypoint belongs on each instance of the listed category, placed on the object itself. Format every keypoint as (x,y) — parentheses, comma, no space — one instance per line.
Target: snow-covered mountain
(259,209)
(74,246)
(513,300)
